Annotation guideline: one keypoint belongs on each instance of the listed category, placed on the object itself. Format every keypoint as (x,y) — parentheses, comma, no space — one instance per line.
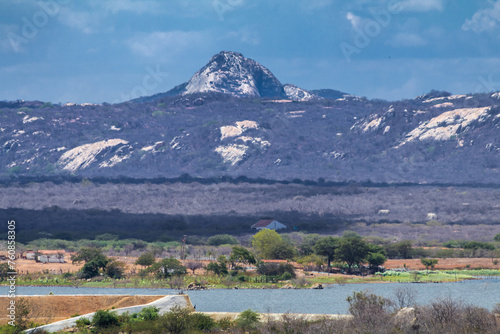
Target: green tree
(265,242)
(283,251)
(375,260)
(497,237)
(94,260)
(219,268)
(241,255)
(353,251)
(4,269)
(146,259)
(87,254)
(222,239)
(306,246)
(400,250)
(275,269)
(326,247)
(475,245)
(429,263)
(167,268)
(115,269)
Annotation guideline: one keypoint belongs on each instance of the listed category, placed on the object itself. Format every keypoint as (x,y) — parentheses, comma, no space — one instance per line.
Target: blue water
(331,300)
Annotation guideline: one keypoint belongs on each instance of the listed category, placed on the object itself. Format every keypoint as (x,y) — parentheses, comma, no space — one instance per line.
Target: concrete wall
(164,304)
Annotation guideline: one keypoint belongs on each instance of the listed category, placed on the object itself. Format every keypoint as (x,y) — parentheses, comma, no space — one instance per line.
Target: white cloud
(164,44)
(355,20)
(85,22)
(484,19)
(420,5)
(405,39)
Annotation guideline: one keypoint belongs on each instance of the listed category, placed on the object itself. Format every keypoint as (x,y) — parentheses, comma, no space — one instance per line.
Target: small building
(46,256)
(270,224)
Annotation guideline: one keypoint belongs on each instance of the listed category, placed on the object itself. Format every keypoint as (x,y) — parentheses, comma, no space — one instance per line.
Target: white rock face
(82,156)
(116,159)
(232,153)
(447,124)
(230,131)
(231,73)
(297,94)
(28,119)
(234,131)
(256,141)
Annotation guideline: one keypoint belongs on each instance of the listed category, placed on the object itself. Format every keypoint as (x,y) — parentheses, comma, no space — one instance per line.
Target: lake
(331,300)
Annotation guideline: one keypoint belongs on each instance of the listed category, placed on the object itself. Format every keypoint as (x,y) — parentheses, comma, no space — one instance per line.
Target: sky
(94,51)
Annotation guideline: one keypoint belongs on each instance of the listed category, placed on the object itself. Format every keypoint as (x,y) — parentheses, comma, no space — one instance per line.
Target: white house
(271,224)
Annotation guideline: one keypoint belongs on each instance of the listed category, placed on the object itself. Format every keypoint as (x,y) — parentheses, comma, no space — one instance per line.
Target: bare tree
(405,296)
(194,265)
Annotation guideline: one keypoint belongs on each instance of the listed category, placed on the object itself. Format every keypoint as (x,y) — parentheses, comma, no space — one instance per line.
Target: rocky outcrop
(231,73)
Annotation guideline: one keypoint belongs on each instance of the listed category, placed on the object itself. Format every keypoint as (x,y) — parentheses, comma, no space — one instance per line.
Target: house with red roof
(271,224)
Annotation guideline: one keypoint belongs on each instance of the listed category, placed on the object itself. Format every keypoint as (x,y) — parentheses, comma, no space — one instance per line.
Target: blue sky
(109,51)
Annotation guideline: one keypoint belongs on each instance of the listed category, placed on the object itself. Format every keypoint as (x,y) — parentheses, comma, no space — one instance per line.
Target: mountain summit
(231,73)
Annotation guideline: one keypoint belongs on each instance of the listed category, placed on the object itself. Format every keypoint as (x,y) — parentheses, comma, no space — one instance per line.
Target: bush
(202,322)
(275,269)
(105,319)
(369,310)
(247,320)
(149,313)
(82,323)
(176,321)
(286,276)
(222,239)
(115,269)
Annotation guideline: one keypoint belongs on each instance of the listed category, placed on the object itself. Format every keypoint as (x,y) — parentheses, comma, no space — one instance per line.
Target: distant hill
(449,139)
(231,73)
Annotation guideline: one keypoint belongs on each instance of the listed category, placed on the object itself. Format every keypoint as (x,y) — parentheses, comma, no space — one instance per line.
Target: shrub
(369,310)
(176,321)
(286,276)
(222,239)
(275,269)
(82,323)
(247,320)
(105,319)
(149,313)
(202,322)
(115,269)
(224,323)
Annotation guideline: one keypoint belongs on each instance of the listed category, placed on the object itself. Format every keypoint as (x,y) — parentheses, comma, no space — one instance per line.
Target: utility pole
(183,248)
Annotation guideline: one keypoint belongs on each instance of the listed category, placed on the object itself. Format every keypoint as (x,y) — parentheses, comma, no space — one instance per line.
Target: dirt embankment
(46,309)
(445,264)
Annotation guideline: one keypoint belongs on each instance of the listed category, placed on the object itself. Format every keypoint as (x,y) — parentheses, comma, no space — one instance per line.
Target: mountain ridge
(234,118)
(232,73)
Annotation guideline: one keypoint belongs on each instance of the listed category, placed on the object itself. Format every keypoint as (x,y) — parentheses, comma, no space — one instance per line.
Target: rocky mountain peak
(231,73)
